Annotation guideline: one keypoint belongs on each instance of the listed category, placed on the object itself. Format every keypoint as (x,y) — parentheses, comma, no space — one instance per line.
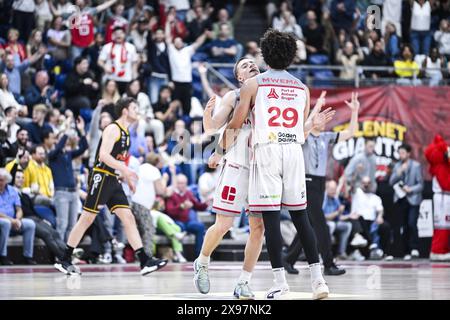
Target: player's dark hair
(278,49)
(122,104)
(405,147)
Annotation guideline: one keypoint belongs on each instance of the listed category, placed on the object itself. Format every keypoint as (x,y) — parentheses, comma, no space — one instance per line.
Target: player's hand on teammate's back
(214,160)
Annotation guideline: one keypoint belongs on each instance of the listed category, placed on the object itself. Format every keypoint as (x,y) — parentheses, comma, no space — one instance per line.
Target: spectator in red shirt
(14,46)
(179,207)
(116,20)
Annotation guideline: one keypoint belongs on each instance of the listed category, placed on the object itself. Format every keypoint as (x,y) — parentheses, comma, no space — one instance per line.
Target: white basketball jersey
(277,116)
(239,151)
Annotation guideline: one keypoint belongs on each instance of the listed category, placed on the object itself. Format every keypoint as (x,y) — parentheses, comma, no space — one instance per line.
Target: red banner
(392,115)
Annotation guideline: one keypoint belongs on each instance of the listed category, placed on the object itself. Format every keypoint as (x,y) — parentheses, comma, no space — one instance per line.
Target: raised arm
(353,127)
(105,5)
(199,41)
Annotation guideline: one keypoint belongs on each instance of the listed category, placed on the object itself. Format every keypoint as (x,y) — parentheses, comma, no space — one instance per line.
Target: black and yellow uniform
(104,186)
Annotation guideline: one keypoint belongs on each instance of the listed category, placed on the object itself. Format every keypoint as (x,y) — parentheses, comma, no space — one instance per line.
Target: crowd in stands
(64,64)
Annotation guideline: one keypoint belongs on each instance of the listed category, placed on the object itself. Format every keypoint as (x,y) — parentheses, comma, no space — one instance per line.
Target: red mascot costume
(438,155)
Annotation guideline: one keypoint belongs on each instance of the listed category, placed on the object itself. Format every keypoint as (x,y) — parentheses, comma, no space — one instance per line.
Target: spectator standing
(420,26)
(80,87)
(179,206)
(66,193)
(199,25)
(407,180)
(333,210)
(158,58)
(392,42)
(34,43)
(12,221)
(43,14)
(116,20)
(83,25)
(181,65)
(343,14)
(224,17)
(119,60)
(392,14)
(23,17)
(58,39)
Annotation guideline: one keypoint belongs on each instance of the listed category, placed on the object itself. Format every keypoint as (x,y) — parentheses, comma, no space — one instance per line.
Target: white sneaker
(415,253)
(358,241)
(373,246)
(320,289)
(277,291)
(105,258)
(357,256)
(407,257)
(388,258)
(180,235)
(180,258)
(120,259)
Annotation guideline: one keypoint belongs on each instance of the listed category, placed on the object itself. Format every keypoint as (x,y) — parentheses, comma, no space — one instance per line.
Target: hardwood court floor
(364,280)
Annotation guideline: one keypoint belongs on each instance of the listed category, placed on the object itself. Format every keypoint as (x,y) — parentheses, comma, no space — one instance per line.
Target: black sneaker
(334,270)
(29,261)
(67,267)
(152,265)
(289,268)
(4,261)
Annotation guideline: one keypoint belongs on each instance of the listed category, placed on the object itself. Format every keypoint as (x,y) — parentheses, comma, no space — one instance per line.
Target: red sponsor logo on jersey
(229,193)
(272,94)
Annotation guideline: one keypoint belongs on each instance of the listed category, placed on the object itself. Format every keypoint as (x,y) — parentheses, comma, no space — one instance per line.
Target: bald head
(182,183)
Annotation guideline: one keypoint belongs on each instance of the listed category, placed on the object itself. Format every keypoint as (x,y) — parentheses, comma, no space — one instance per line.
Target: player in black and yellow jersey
(105,189)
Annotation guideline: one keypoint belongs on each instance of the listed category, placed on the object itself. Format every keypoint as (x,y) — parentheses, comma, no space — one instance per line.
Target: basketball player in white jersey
(231,192)
(279,106)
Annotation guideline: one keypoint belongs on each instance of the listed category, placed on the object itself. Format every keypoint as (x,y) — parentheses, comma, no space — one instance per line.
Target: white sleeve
(133,53)
(378,203)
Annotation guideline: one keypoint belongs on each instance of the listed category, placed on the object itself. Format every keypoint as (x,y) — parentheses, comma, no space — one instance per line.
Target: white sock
(204,260)
(245,276)
(316,271)
(279,275)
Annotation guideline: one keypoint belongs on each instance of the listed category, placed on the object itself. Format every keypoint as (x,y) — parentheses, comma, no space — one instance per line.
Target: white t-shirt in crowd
(24,5)
(366,204)
(180,63)
(421,17)
(123,66)
(179,4)
(392,12)
(145,190)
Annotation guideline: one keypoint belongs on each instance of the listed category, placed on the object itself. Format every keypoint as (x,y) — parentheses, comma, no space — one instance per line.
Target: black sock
(306,233)
(274,242)
(68,254)
(143,257)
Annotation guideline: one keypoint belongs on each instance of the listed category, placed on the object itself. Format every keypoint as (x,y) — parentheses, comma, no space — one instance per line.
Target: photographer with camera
(60,162)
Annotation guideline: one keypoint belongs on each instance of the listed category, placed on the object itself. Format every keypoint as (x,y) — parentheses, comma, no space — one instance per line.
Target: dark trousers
(24,22)
(198,229)
(183,93)
(378,234)
(409,232)
(50,236)
(315,190)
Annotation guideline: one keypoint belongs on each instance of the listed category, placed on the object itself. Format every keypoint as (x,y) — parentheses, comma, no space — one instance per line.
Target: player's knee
(223,224)
(257,231)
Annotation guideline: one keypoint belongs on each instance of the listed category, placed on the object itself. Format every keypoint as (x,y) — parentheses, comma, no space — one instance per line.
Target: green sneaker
(201,277)
(243,291)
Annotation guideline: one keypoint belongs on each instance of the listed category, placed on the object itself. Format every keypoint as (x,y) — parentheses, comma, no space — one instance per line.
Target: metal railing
(306,74)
